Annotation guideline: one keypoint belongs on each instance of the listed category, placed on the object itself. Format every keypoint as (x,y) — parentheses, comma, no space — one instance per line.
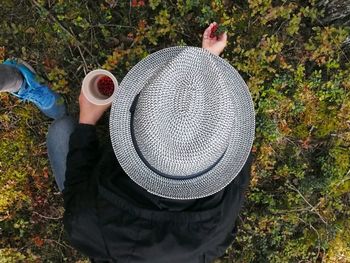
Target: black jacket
(111,219)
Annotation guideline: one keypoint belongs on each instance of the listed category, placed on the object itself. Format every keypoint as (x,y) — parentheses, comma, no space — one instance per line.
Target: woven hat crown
(183,117)
(182,123)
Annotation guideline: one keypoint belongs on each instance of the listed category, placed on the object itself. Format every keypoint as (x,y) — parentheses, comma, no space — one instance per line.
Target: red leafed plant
(137,3)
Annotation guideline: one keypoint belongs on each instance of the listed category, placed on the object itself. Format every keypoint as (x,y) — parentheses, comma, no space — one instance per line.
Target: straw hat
(182,123)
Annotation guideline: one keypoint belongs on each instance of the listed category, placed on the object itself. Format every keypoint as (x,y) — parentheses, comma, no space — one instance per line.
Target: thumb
(222,37)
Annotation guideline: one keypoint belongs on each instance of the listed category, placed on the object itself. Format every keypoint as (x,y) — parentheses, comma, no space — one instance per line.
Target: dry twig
(54,19)
(313,208)
(47,217)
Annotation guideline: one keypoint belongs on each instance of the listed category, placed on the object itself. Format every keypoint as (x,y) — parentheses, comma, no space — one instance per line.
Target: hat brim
(214,180)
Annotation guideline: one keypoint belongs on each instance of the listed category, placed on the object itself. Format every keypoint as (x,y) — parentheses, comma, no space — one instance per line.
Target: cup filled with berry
(99,87)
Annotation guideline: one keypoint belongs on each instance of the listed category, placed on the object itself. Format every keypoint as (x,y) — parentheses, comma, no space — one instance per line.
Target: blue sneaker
(48,101)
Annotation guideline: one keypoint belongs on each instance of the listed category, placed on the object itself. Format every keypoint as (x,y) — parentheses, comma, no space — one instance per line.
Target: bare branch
(48,217)
(54,19)
(313,208)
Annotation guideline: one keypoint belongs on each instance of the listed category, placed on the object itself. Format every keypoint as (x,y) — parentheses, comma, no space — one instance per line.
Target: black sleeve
(81,220)
(243,183)
(226,228)
(82,157)
(245,174)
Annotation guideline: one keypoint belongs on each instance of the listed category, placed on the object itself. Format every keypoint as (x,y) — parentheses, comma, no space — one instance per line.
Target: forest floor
(298,204)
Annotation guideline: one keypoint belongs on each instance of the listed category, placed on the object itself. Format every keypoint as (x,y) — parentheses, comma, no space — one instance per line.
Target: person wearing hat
(169,186)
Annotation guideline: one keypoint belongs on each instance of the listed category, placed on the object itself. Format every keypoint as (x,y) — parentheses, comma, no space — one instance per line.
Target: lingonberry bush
(297,206)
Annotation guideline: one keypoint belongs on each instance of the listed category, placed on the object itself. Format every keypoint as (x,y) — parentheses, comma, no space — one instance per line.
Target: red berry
(134,3)
(213,30)
(105,86)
